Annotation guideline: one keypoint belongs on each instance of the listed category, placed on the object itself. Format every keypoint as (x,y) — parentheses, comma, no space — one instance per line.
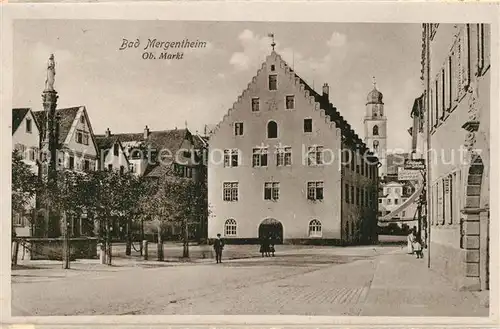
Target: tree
(24,186)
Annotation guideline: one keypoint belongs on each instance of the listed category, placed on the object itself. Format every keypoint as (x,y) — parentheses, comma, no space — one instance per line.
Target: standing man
(218,246)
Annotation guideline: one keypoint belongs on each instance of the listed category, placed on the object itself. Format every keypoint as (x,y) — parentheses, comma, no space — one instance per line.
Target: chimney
(108,132)
(146,132)
(326,90)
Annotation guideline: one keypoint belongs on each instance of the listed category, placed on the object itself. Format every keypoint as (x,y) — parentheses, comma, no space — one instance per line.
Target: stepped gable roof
(67,117)
(18,115)
(334,114)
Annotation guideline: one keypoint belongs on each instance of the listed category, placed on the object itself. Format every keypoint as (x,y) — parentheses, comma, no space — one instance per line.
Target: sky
(124,92)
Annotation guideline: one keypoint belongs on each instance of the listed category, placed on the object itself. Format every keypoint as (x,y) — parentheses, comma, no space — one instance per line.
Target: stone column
(484,225)
(471,243)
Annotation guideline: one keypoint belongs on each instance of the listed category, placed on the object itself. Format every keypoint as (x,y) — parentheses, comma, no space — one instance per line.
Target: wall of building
(31,144)
(80,151)
(293,209)
(466,89)
(359,211)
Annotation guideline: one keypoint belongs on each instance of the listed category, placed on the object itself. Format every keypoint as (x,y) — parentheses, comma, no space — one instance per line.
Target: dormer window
(273,82)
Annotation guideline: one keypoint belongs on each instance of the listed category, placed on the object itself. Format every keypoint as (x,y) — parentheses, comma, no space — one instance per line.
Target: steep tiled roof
(17,117)
(104,143)
(334,114)
(163,140)
(67,117)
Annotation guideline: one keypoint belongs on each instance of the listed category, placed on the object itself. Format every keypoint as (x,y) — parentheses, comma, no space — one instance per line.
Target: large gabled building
(276,166)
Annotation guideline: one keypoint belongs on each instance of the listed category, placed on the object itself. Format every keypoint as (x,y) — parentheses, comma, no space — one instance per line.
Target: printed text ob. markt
(152,44)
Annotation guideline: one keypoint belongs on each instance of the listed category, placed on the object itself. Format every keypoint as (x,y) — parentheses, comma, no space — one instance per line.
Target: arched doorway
(271,227)
(475,203)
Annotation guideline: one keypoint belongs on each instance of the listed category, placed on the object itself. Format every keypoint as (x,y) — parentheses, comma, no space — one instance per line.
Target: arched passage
(271,227)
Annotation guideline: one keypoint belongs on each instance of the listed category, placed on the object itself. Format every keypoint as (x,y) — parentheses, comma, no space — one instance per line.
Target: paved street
(380,280)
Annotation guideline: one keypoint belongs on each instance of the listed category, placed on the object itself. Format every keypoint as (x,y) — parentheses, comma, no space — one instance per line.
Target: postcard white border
(293,11)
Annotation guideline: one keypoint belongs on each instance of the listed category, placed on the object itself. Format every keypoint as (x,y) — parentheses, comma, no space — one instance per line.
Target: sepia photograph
(195,167)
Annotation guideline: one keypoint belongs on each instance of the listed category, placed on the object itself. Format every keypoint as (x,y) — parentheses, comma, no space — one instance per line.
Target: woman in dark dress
(264,246)
(271,244)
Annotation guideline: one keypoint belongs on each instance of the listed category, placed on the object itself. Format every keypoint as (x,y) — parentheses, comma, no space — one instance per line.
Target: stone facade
(456,76)
(275,159)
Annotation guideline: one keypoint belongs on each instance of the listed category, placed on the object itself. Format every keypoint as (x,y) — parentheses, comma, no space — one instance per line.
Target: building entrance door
(270,227)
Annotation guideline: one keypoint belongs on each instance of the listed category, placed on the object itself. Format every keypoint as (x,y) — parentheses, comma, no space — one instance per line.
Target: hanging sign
(414,164)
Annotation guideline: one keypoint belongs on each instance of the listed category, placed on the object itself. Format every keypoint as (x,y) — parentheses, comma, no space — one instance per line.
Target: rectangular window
(346,191)
(82,119)
(230,191)
(315,190)
(450,193)
(389,201)
(273,82)
(231,158)
(227,158)
(28,126)
(132,167)
(122,170)
(449,89)
(238,128)
(110,167)
(396,201)
(259,157)
(86,165)
(352,195)
(308,125)
(255,104)
(115,149)
(290,102)
(443,94)
(438,106)
(71,162)
(379,200)
(234,158)
(271,191)
(82,137)
(284,156)
(357,196)
(362,197)
(31,154)
(315,156)
(362,167)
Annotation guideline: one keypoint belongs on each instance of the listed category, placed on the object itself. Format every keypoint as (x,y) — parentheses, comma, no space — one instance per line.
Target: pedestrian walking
(271,244)
(410,239)
(417,246)
(218,247)
(264,246)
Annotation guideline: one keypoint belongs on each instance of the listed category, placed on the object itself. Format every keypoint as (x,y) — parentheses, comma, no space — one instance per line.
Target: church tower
(376,127)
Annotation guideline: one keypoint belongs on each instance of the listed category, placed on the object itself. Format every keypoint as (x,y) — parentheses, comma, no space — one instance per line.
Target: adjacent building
(26,141)
(154,155)
(456,77)
(284,162)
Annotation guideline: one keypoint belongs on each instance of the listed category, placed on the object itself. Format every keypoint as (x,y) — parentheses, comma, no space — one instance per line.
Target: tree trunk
(142,236)
(65,242)
(108,242)
(160,245)
(185,249)
(128,248)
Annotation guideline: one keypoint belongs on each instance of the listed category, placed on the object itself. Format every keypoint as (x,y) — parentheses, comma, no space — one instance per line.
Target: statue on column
(51,72)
